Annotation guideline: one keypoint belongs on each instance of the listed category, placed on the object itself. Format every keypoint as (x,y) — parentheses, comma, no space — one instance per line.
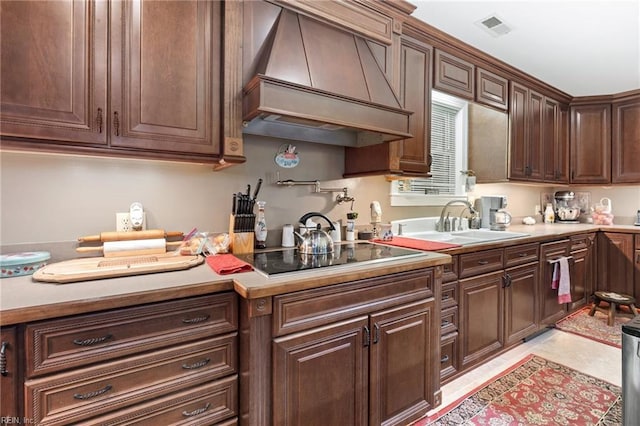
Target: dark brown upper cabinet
(591,143)
(555,142)
(491,89)
(54,71)
(526,128)
(454,75)
(625,141)
(156,93)
(409,157)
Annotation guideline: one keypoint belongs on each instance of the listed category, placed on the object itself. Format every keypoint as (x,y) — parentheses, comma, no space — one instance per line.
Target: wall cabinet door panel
(625,144)
(519,125)
(492,89)
(591,143)
(53,71)
(165,92)
(454,75)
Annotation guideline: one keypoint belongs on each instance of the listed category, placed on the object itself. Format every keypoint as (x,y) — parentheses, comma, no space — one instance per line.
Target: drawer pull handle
(444,324)
(93,394)
(523,254)
(196,365)
(92,341)
(376,333)
(3,359)
(444,359)
(483,262)
(195,320)
(196,411)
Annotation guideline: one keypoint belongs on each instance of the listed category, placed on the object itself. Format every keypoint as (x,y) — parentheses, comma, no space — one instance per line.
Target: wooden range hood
(317,83)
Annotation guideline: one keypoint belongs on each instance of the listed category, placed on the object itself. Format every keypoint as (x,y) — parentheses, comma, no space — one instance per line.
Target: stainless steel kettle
(315,241)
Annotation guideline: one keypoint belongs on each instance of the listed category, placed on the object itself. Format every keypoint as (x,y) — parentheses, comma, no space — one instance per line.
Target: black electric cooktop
(290,260)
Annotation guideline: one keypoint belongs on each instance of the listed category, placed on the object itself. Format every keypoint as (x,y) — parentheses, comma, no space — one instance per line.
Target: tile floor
(590,357)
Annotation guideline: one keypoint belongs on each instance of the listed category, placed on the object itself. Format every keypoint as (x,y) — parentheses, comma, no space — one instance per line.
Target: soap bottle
(549,215)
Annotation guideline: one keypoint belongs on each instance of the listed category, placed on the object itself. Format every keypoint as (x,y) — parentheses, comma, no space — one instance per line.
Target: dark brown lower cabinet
(481,317)
(520,302)
(615,263)
(367,370)
(550,310)
(9,374)
(583,270)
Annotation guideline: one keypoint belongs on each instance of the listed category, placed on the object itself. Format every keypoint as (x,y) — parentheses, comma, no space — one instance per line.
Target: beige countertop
(22,299)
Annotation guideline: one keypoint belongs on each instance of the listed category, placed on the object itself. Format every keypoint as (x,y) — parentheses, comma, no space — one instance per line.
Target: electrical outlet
(123,224)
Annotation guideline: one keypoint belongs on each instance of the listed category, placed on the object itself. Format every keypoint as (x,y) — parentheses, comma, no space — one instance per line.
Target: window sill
(399,200)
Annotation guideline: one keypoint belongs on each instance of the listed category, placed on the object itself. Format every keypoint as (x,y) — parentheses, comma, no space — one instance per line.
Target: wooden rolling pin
(131,247)
(134,235)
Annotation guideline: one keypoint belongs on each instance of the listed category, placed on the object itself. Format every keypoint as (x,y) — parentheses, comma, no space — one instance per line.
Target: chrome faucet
(440,226)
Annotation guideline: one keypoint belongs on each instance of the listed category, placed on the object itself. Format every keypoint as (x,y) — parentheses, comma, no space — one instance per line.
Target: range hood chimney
(317,83)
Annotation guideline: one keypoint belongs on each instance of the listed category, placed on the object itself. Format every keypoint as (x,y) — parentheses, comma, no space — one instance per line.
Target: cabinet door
(491,89)
(454,75)
(481,318)
(10,377)
(165,76)
(555,149)
(320,377)
(625,146)
(550,310)
(404,350)
(591,143)
(535,148)
(637,263)
(53,71)
(615,262)
(415,95)
(581,278)
(521,302)
(519,124)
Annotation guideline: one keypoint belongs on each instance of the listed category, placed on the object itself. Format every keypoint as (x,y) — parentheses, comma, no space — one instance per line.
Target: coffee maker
(488,206)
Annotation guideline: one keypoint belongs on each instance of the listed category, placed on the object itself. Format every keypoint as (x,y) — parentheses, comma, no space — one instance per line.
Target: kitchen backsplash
(53,198)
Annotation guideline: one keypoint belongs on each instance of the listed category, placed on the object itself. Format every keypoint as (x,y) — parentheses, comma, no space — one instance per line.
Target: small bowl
(25,263)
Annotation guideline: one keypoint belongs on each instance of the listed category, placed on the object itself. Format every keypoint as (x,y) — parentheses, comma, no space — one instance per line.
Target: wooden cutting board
(92,268)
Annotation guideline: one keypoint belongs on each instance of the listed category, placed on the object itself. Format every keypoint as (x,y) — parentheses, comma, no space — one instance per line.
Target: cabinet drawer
(449,295)
(448,355)
(52,346)
(582,241)
(450,270)
(449,321)
(80,394)
(206,404)
(519,255)
(481,262)
(311,308)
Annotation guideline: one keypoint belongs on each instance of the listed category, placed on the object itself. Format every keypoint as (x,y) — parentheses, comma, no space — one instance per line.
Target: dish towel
(416,244)
(225,264)
(561,280)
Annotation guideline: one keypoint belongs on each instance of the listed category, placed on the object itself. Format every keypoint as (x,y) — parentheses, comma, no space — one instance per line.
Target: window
(449,154)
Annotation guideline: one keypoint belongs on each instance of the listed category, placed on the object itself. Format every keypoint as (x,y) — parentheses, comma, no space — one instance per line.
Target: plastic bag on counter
(205,243)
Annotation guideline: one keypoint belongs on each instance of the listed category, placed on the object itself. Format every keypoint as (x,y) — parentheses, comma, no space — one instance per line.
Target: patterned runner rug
(595,327)
(536,391)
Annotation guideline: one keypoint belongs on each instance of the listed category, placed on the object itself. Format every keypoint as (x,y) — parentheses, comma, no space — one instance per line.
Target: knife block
(240,242)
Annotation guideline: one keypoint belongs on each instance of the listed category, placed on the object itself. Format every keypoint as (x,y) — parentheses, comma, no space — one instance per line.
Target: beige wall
(51,198)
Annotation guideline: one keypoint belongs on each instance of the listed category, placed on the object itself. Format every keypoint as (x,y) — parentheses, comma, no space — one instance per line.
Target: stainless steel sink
(471,236)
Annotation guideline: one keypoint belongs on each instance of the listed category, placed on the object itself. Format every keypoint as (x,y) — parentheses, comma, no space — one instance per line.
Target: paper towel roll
(133,247)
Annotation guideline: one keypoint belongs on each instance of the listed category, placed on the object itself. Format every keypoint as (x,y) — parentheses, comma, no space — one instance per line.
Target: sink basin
(471,236)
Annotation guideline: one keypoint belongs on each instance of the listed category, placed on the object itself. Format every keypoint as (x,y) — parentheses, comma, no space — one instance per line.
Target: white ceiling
(580,47)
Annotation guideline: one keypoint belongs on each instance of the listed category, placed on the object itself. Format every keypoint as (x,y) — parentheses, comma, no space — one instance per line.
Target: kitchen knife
(255,193)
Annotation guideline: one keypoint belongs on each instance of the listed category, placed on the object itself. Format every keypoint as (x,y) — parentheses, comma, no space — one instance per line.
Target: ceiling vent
(494,25)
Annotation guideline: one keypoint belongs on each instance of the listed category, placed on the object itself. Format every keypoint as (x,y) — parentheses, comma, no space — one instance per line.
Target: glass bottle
(261,226)
(549,215)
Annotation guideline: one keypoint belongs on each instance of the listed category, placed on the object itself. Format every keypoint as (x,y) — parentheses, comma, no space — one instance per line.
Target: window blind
(443,152)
